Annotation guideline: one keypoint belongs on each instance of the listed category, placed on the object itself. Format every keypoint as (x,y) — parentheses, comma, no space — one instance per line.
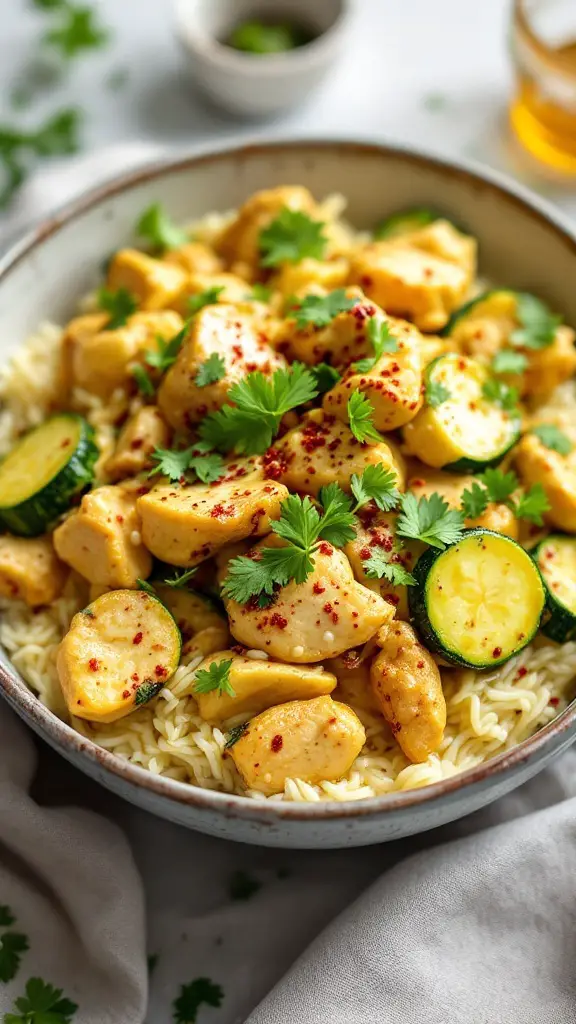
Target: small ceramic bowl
(523,243)
(258,85)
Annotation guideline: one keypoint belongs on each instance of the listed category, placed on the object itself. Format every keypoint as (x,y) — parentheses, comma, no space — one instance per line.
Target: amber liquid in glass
(543,112)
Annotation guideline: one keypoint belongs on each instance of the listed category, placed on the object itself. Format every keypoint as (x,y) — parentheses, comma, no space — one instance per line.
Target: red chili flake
(392,599)
(277,743)
(65,443)
(135,677)
(328,607)
(334,617)
(137,443)
(496,652)
(125,694)
(221,512)
(278,620)
(318,588)
(161,671)
(420,664)
(522,671)
(275,463)
(94,664)
(143,490)
(138,638)
(119,519)
(325,549)
(554,701)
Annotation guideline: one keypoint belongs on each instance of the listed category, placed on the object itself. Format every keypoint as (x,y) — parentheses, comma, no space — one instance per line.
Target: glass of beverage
(543,110)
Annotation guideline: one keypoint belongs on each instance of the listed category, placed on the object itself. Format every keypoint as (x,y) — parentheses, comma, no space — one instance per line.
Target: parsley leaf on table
(42,1004)
(538,324)
(76,31)
(378,567)
(6,916)
(211,371)
(159,230)
(361,418)
(209,297)
(436,393)
(12,946)
(207,465)
(215,677)
(501,394)
(119,304)
(320,310)
(243,886)
(58,136)
(290,237)
(325,377)
(376,484)
(509,361)
(382,339)
(475,501)
(201,991)
(430,520)
(531,505)
(553,438)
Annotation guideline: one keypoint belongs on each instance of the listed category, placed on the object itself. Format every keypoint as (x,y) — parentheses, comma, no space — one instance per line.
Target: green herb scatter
(200,992)
(243,886)
(538,324)
(119,305)
(429,519)
(291,237)
(215,677)
(42,1004)
(382,340)
(436,393)
(553,438)
(320,310)
(59,136)
(211,371)
(509,361)
(377,566)
(77,30)
(361,419)
(159,230)
(209,297)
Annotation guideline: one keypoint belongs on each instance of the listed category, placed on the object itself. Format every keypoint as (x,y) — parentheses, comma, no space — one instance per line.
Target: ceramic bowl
(256,85)
(523,243)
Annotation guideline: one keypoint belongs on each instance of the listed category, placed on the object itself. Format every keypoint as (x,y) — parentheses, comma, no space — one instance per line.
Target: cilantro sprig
(251,423)
(361,418)
(76,29)
(215,677)
(501,394)
(211,370)
(208,297)
(290,237)
(378,567)
(320,310)
(119,304)
(159,230)
(436,393)
(20,149)
(378,332)
(495,485)
(159,359)
(538,324)
(200,992)
(41,1004)
(553,438)
(12,946)
(180,580)
(509,361)
(198,459)
(430,520)
(325,377)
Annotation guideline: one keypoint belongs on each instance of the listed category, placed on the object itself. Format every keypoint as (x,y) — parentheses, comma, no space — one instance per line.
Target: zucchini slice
(556,558)
(493,304)
(458,428)
(117,655)
(44,472)
(405,221)
(478,602)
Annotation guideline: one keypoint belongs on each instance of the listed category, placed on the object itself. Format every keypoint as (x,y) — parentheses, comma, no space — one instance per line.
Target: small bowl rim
(272,812)
(253,65)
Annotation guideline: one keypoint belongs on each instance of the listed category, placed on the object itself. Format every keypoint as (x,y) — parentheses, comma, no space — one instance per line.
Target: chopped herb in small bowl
(267,37)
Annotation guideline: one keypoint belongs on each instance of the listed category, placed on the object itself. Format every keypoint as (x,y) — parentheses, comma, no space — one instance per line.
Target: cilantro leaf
(553,438)
(243,886)
(166,352)
(436,393)
(299,521)
(234,734)
(532,505)
(430,520)
(376,484)
(499,485)
(320,310)
(143,381)
(180,579)
(538,324)
(58,136)
(12,946)
(77,30)
(337,523)
(361,417)
(378,567)
(211,371)
(201,991)
(209,297)
(119,305)
(259,293)
(207,465)
(157,228)
(42,1004)
(475,501)
(290,237)
(146,587)
(501,394)
(215,677)
(6,916)
(509,361)
(259,404)
(379,334)
(325,377)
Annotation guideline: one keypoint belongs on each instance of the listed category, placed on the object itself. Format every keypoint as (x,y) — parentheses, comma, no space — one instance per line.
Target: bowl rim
(271,812)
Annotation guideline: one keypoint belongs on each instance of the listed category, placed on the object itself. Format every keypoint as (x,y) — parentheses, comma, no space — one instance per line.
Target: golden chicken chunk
(103,361)
(309,274)
(354,687)
(537,464)
(102,541)
(76,334)
(376,534)
(259,684)
(451,486)
(223,330)
(30,570)
(344,340)
(203,630)
(154,283)
(194,258)
(323,450)
(320,618)
(311,740)
(234,289)
(442,239)
(240,241)
(408,688)
(409,282)
(393,384)
(140,435)
(185,525)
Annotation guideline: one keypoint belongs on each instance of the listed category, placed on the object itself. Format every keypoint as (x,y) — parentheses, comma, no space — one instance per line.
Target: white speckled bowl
(523,243)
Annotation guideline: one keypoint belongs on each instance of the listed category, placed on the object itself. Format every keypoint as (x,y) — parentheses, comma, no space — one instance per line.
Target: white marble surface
(400,53)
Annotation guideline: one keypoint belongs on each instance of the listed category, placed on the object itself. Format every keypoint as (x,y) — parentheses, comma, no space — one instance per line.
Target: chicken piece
(203,629)
(410,283)
(240,241)
(260,684)
(393,384)
(537,464)
(311,740)
(309,275)
(548,367)
(185,525)
(234,290)
(442,239)
(320,618)
(194,258)
(354,687)
(30,570)
(376,534)
(102,541)
(229,332)
(451,486)
(408,688)
(140,435)
(343,341)
(322,450)
(154,283)
(117,655)
(76,333)
(103,361)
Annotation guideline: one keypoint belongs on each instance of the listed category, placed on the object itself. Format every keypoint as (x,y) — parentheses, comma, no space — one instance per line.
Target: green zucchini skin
(404,221)
(558,623)
(36,514)
(417,603)
(462,312)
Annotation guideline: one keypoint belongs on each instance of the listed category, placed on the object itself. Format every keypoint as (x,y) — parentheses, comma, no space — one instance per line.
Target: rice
(487,712)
